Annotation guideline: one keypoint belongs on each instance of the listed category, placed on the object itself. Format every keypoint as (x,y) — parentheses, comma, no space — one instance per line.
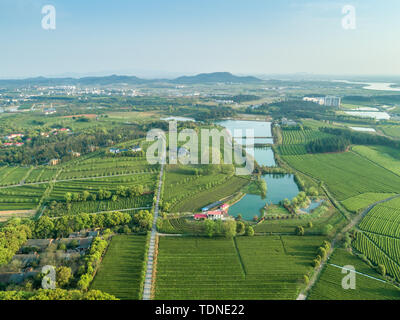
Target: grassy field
(362,201)
(121,271)
(346,174)
(393,131)
(260,267)
(386,157)
(329,285)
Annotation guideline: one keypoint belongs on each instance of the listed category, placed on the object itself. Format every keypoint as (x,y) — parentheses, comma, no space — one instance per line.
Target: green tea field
(121,271)
(261,267)
(346,174)
(370,285)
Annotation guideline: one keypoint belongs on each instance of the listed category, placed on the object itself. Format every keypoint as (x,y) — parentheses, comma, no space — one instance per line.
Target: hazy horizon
(155,39)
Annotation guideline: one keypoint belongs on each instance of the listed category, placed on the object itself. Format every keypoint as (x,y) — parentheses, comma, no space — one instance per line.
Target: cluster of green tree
(64,278)
(12,237)
(92,261)
(207,113)
(40,150)
(228,228)
(122,191)
(361,138)
(57,294)
(46,227)
(322,254)
(329,144)
(301,200)
(261,186)
(292,109)
(372,100)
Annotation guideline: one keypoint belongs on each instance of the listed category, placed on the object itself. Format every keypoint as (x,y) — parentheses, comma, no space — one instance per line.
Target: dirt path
(353,222)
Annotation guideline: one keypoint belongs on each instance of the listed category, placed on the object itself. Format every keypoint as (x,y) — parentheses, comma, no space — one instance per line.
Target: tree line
(361,138)
(103,194)
(330,144)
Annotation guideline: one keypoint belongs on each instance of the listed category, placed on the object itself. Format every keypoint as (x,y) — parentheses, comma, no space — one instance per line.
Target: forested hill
(216,77)
(204,78)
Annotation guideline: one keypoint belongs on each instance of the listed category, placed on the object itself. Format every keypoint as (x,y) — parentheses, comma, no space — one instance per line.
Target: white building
(332,101)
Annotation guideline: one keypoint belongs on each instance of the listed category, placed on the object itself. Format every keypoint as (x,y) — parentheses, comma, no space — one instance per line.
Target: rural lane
(150,257)
(353,222)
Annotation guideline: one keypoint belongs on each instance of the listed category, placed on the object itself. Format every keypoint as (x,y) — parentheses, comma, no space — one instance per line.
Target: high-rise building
(332,101)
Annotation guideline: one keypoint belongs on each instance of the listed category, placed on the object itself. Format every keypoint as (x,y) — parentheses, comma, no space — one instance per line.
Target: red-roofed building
(212,215)
(215,215)
(224,207)
(200,216)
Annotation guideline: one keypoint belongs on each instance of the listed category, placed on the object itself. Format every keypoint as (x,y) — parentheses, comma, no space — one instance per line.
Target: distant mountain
(86,81)
(203,78)
(216,77)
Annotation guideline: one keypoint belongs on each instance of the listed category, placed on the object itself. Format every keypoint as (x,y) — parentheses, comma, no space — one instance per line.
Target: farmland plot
(369,284)
(386,157)
(242,268)
(346,174)
(294,141)
(12,175)
(121,271)
(379,239)
(21,198)
(364,200)
(184,191)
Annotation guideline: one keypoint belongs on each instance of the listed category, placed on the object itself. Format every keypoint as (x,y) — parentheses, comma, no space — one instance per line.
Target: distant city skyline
(156,38)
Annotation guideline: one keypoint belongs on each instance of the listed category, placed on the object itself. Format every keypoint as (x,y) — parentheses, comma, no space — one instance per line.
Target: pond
(264,156)
(262,129)
(313,205)
(279,187)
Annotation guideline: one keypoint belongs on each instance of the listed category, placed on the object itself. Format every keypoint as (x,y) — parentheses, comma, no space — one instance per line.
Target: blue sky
(159,37)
